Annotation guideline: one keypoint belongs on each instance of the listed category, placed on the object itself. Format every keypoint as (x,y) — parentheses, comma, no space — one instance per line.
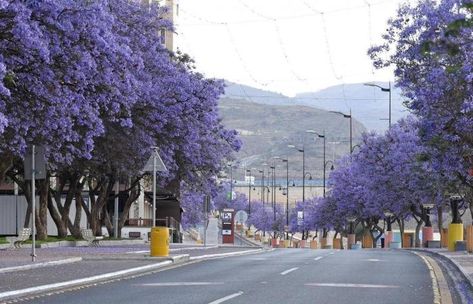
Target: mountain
(240,91)
(266,131)
(369,105)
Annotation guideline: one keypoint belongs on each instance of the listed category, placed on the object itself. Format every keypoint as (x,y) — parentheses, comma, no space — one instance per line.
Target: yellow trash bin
(455,233)
(159,245)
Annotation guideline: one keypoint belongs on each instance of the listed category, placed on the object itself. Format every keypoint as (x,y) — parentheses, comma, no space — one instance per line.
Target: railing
(169,222)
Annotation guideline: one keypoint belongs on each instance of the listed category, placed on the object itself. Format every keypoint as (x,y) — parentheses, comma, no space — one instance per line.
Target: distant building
(169,38)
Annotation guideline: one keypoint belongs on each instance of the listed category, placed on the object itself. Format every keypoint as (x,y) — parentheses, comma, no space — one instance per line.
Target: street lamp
(249,191)
(325,169)
(388,89)
(231,182)
(262,185)
(303,169)
(287,189)
(351,127)
(273,187)
(324,162)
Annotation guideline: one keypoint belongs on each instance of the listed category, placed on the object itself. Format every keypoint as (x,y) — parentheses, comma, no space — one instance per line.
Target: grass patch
(3,240)
(53,239)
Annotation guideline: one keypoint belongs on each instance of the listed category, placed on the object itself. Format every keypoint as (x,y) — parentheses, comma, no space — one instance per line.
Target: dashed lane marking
(350,285)
(318,258)
(289,270)
(229,297)
(167,284)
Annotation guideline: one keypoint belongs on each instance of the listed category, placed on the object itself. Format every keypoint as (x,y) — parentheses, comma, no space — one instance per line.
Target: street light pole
(249,192)
(389,90)
(262,186)
(351,131)
(303,169)
(273,195)
(351,126)
(287,190)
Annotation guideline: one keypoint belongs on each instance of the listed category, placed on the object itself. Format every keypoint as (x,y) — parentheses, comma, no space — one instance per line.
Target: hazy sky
(286,46)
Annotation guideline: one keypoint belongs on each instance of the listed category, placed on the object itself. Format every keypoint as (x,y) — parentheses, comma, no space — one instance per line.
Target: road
(279,276)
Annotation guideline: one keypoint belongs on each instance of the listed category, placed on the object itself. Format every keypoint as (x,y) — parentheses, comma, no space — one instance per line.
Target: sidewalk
(461,259)
(56,267)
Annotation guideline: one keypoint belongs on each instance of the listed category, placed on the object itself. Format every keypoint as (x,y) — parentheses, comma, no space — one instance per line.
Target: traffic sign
(241,217)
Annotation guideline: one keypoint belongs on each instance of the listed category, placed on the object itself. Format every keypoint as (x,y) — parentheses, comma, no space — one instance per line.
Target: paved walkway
(462,259)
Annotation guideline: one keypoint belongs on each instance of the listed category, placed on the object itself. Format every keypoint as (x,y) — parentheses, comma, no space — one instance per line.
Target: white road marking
(104,276)
(222,255)
(38,265)
(221,300)
(350,285)
(373,260)
(289,270)
(264,282)
(318,258)
(332,253)
(180,284)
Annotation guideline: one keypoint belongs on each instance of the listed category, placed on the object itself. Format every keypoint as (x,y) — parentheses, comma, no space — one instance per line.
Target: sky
(285,46)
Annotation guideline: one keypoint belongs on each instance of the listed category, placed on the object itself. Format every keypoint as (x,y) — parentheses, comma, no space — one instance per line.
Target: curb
(456,264)
(93,279)
(40,265)
(179,259)
(224,255)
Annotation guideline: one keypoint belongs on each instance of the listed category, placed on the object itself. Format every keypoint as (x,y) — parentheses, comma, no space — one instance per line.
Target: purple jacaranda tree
(387,174)
(192,204)
(307,223)
(91,81)
(223,199)
(428,43)
(263,218)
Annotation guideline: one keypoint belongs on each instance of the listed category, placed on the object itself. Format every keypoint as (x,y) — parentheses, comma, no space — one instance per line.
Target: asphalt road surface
(279,276)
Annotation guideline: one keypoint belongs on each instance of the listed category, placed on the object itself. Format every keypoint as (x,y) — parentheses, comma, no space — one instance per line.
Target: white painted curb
(222,255)
(110,275)
(39,265)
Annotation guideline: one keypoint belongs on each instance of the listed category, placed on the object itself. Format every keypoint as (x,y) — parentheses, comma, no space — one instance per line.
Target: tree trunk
(27,192)
(400,222)
(417,238)
(134,195)
(42,211)
(55,216)
(75,231)
(440,219)
(99,204)
(107,221)
(455,208)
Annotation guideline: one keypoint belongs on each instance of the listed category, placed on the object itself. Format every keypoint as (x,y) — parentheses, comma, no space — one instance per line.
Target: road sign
(300,218)
(241,217)
(39,163)
(160,167)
